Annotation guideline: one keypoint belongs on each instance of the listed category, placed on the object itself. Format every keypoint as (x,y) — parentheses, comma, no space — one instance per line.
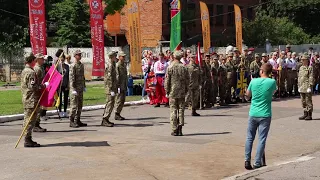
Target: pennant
(238,22)
(199,60)
(175,35)
(37,23)
(97,37)
(205,20)
(135,36)
(54,78)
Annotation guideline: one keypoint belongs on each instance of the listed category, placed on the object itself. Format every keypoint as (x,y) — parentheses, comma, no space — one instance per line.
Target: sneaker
(61,114)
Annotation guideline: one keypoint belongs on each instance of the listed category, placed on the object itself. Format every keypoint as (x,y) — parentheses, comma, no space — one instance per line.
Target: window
(250,14)
(219,17)
(230,20)
(210,9)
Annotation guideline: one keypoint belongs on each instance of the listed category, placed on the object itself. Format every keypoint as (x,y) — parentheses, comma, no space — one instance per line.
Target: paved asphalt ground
(141,148)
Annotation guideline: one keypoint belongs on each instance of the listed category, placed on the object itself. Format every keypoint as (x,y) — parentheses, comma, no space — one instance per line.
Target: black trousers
(65,99)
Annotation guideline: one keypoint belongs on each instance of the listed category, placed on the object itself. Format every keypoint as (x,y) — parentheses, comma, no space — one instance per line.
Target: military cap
(251,49)
(177,54)
(30,58)
(294,54)
(264,55)
(77,52)
(112,53)
(274,53)
(288,46)
(245,48)
(235,49)
(304,57)
(121,53)
(39,55)
(230,54)
(257,55)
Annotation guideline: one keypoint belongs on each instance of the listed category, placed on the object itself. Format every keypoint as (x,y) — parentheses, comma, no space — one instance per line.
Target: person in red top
(160,68)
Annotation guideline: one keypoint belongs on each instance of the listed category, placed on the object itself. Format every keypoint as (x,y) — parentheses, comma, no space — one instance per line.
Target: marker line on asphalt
(297,160)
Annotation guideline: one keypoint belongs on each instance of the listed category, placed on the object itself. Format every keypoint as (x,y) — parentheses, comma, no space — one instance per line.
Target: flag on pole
(205,19)
(175,35)
(199,60)
(238,21)
(54,78)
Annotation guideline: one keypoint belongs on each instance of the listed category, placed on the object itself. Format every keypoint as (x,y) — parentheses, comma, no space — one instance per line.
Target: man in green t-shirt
(261,90)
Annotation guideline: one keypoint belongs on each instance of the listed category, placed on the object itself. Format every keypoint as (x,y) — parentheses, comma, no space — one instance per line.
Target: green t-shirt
(262,90)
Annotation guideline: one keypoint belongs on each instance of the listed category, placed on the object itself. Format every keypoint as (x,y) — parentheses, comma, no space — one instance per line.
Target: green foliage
(277,30)
(113,6)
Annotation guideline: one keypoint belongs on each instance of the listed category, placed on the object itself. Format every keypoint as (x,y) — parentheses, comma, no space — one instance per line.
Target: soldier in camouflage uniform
(122,81)
(176,86)
(305,83)
(264,59)
(231,78)
(255,66)
(194,86)
(30,89)
(207,84)
(77,87)
(222,81)
(215,78)
(110,83)
(38,69)
(316,69)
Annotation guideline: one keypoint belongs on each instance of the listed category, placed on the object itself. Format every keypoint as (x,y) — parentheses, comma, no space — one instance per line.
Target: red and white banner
(199,60)
(97,37)
(37,21)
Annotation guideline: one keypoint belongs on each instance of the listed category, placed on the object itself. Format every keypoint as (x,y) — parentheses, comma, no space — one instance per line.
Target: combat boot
(106,123)
(73,124)
(309,116)
(119,117)
(304,115)
(194,113)
(29,143)
(81,124)
(175,133)
(37,128)
(180,130)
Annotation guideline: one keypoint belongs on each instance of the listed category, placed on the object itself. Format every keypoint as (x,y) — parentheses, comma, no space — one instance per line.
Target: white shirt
(185,61)
(273,63)
(291,63)
(160,67)
(282,63)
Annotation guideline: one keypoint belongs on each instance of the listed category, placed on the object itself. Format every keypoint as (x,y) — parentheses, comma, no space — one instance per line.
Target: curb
(17,117)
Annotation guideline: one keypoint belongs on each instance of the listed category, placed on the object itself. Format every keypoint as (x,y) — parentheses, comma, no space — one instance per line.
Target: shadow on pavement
(74,130)
(135,125)
(206,134)
(214,115)
(79,144)
(145,118)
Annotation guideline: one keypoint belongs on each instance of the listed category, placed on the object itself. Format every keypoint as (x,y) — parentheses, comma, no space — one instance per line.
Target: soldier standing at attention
(194,85)
(30,88)
(230,77)
(255,66)
(110,83)
(305,84)
(38,69)
(176,86)
(122,83)
(215,78)
(282,69)
(77,87)
(222,79)
(208,82)
(264,59)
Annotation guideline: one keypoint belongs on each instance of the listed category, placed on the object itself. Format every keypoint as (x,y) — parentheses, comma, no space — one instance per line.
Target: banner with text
(175,34)
(135,36)
(205,19)
(97,37)
(238,21)
(37,22)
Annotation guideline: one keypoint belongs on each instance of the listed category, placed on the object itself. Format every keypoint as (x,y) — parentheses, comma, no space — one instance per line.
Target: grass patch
(138,81)
(11,100)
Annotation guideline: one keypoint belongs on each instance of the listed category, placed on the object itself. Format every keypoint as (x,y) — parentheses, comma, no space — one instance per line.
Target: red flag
(199,60)
(37,21)
(97,37)
(54,79)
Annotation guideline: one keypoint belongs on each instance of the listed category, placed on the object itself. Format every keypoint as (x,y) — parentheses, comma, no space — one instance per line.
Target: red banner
(37,20)
(97,37)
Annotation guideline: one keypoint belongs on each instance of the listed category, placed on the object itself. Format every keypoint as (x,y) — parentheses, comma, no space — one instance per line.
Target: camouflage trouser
(76,103)
(222,92)
(228,89)
(306,100)
(109,106)
(290,80)
(208,94)
(193,96)
(176,112)
(27,115)
(121,98)
(39,113)
(214,92)
(281,81)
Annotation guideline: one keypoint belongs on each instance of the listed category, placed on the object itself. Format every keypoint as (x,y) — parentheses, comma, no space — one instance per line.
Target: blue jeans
(263,126)
(144,84)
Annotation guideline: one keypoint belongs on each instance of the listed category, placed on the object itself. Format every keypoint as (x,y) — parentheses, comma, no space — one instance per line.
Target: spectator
(64,70)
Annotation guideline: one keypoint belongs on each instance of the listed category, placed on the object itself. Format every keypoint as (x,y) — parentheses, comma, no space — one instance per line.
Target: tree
(113,6)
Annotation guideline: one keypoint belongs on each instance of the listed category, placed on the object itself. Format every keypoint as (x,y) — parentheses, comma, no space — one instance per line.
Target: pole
(116,40)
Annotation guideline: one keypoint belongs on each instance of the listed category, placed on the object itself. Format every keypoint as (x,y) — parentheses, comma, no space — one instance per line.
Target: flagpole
(37,105)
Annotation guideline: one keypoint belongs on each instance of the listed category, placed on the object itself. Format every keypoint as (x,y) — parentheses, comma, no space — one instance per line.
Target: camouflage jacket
(255,68)
(30,87)
(177,80)
(122,76)
(110,78)
(76,77)
(194,76)
(305,78)
(230,66)
(215,72)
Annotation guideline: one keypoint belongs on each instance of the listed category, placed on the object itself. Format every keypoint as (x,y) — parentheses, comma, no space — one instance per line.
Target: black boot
(194,113)
(73,124)
(118,117)
(106,123)
(81,124)
(309,116)
(180,130)
(37,128)
(247,165)
(29,143)
(304,115)
(175,133)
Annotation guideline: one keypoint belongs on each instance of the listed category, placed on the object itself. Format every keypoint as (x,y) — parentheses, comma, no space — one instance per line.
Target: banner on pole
(97,37)
(238,22)
(135,36)
(205,20)
(175,35)
(37,22)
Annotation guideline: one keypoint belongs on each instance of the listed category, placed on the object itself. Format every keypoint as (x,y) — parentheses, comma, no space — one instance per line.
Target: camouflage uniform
(222,81)
(194,91)
(207,86)
(255,69)
(305,83)
(77,84)
(215,78)
(231,79)
(122,83)
(316,71)
(176,86)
